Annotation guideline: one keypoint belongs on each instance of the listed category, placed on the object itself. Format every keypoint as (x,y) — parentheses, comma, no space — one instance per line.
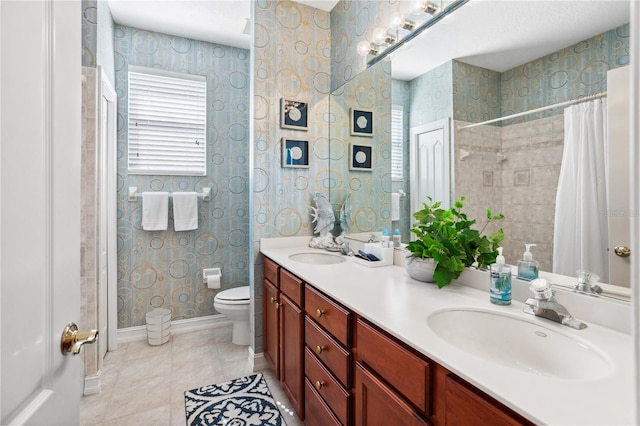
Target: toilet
(234,304)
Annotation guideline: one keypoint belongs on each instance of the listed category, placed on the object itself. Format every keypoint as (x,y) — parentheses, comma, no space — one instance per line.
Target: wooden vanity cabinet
(292,340)
(270,314)
(339,369)
(283,321)
(327,358)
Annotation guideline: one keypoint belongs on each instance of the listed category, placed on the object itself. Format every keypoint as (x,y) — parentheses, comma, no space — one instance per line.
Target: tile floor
(144,385)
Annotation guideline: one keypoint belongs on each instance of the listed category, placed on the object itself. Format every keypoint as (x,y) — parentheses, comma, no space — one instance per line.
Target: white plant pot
(421,269)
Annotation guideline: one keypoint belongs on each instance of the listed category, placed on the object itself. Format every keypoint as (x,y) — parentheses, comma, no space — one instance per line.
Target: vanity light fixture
(365,48)
(421,6)
(382,36)
(400,22)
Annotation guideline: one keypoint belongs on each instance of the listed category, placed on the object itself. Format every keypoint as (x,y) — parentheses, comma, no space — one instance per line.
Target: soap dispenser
(527,267)
(500,287)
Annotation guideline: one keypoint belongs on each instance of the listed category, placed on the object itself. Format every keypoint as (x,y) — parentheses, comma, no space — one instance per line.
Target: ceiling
(215,21)
(494,34)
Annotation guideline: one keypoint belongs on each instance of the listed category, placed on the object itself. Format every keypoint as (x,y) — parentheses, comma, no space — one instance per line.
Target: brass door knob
(622,251)
(319,312)
(72,340)
(319,384)
(319,349)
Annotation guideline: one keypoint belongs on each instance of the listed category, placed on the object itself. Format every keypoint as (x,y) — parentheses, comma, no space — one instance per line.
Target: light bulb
(396,20)
(418,6)
(364,47)
(379,35)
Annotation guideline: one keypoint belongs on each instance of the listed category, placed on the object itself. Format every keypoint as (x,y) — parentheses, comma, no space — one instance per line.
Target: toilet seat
(233,296)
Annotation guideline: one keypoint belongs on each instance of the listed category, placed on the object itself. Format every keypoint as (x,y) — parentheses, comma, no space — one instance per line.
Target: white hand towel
(395,206)
(155,211)
(185,211)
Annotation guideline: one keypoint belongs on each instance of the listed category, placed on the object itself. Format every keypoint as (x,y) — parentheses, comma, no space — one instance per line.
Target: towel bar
(133,194)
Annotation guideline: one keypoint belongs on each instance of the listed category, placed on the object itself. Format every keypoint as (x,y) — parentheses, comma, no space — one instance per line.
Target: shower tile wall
(164,268)
(292,60)
(523,187)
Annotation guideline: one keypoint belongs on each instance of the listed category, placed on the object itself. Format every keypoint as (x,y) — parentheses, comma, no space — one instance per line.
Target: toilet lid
(234,294)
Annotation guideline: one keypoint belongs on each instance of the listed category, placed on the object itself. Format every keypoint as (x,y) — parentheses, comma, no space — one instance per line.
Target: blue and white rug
(240,402)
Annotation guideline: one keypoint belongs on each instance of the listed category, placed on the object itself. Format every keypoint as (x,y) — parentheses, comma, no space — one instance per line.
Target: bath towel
(395,206)
(185,211)
(155,211)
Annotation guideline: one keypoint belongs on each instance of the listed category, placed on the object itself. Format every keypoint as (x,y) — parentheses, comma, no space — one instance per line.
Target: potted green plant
(445,239)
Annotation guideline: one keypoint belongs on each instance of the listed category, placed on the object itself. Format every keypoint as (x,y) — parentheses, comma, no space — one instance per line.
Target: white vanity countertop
(387,297)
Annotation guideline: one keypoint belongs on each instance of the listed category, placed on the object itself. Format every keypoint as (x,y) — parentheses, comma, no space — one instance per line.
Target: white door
(430,166)
(619,175)
(40,84)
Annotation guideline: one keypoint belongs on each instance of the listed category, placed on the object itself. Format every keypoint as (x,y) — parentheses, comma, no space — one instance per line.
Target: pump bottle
(500,286)
(527,267)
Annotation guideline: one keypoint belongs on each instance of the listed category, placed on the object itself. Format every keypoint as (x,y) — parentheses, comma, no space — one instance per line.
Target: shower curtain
(581,232)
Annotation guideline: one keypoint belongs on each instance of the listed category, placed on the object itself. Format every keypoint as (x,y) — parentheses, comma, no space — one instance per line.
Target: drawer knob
(319,312)
(319,349)
(278,305)
(273,299)
(319,384)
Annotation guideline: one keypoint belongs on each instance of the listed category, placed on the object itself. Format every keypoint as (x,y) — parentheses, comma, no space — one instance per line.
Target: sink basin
(519,344)
(317,258)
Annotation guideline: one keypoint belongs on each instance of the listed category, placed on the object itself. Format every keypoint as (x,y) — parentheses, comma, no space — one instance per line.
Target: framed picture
(361,122)
(293,114)
(295,153)
(360,157)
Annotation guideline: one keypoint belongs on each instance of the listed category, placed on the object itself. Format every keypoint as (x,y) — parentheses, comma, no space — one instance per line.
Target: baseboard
(257,361)
(92,384)
(132,334)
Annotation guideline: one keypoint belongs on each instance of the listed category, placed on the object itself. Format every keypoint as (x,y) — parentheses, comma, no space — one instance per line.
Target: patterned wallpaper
(351,22)
(370,190)
(431,98)
(292,60)
(164,268)
(578,70)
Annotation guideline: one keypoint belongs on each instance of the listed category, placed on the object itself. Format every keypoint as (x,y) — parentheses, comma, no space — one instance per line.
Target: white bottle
(500,286)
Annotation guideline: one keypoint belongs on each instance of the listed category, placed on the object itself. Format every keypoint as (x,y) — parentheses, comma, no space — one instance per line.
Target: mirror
(490,81)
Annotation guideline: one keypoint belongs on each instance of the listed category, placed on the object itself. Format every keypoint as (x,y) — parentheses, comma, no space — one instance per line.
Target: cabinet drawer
(316,411)
(331,353)
(271,271)
(394,364)
(291,286)
(333,317)
(329,389)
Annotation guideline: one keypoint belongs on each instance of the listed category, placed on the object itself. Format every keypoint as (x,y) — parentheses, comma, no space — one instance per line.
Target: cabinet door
(464,407)
(291,353)
(271,332)
(376,404)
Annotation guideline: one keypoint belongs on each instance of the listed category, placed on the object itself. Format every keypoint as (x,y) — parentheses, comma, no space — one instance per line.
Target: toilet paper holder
(210,271)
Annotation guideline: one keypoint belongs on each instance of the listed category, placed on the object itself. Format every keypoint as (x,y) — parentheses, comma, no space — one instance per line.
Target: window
(167,123)
(397,143)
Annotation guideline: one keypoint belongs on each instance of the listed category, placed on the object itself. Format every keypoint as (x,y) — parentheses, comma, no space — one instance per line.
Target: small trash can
(158,326)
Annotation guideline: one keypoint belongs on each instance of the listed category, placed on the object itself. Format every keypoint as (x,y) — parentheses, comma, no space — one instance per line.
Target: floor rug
(239,402)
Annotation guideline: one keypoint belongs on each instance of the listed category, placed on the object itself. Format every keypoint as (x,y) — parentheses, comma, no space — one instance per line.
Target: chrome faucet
(544,305)
(587,282)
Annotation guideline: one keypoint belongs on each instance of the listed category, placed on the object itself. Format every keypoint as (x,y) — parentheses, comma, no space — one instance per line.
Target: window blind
(167,123)
(397,143)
